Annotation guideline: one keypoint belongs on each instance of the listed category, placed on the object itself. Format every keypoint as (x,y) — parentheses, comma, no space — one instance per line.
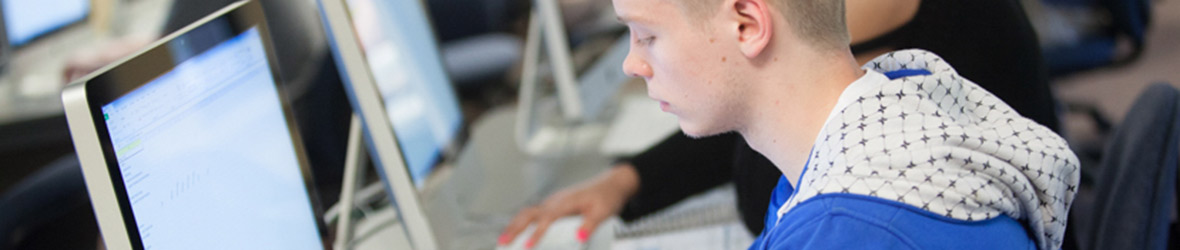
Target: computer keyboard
(726,236)
(716,206)
(706,221)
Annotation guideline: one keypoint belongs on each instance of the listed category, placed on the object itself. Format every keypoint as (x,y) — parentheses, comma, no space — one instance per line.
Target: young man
(902,153)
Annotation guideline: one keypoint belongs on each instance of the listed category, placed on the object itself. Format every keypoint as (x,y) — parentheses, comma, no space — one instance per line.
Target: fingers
(77,68)
(518,224)
(542,225)
(590,221)
(560,204)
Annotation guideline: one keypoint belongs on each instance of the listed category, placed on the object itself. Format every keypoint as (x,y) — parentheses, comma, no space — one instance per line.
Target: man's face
(689,68)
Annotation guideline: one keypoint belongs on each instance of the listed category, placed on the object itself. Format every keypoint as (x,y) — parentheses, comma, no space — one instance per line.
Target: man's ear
(754,28)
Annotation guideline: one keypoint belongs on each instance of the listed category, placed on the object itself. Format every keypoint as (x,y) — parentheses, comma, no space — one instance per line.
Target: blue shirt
(850,221)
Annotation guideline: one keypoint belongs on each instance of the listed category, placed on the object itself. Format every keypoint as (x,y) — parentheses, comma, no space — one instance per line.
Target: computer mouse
(562,234)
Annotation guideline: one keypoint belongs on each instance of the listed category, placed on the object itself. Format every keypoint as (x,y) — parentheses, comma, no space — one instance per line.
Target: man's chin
(696,131)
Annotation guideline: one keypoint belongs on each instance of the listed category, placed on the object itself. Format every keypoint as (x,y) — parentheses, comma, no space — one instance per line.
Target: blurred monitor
(413,97)
(406,66)
(190,144)
(25,20)
(395,79)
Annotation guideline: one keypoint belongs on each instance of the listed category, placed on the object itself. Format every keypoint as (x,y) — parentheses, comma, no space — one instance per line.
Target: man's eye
(647,40)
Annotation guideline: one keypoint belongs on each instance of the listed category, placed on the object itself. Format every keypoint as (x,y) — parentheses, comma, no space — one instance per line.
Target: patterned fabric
(941,143)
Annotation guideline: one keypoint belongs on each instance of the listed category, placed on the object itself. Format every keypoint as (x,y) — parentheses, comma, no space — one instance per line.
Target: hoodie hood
(943,144)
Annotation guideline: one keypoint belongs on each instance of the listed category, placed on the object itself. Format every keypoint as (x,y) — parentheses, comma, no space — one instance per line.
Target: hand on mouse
(596,200)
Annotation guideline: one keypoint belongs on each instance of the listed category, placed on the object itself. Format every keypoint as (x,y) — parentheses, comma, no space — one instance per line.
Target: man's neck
(786,117)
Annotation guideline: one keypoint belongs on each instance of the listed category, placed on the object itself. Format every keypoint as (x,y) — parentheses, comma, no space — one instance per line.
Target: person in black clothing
(991,42)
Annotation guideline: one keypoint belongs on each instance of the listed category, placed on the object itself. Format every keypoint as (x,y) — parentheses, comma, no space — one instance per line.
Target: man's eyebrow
(622,20)
(629,19)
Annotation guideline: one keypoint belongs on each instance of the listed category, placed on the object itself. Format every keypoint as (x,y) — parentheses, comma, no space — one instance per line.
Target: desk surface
(492,179)
(470,202)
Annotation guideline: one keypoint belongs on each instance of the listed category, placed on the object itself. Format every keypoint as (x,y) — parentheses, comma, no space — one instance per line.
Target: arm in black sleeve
(679,167)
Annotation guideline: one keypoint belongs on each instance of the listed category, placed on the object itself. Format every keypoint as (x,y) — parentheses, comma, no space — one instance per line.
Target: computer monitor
(25,20)
(416,99)
(191,144)
(395,79)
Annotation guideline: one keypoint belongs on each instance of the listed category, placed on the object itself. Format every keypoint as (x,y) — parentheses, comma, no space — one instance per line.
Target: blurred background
(1100,56)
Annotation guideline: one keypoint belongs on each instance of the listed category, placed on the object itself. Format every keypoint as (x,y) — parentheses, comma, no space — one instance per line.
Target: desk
(381,230)
(492,179)
(470,201)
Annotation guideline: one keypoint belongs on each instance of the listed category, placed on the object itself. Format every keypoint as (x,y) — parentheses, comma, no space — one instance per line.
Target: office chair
(1136,187)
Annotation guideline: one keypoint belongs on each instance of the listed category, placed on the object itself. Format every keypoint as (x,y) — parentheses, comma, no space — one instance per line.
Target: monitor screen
(205,154)
(28,19)
(400,49)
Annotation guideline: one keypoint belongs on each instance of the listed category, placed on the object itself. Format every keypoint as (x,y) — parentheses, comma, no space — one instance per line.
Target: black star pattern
(988,179)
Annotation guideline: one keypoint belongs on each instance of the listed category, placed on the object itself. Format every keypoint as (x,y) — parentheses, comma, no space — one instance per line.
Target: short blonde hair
(819,22)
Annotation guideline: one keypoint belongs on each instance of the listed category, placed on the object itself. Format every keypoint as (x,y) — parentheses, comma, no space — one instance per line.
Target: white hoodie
(941,143)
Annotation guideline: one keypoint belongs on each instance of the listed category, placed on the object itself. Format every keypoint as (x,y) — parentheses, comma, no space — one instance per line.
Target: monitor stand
(576,113)
(353,160)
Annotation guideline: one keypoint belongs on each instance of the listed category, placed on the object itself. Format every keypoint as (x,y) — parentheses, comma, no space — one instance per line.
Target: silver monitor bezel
(84,99)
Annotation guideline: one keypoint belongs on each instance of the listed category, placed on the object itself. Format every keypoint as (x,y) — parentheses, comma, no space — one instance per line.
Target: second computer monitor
(418,100)
(25,20)
(395,79)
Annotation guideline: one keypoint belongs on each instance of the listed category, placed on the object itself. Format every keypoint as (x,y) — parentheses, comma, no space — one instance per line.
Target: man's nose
(634,66)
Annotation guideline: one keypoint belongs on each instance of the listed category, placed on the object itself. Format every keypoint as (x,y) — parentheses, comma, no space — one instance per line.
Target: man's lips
(664,105)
